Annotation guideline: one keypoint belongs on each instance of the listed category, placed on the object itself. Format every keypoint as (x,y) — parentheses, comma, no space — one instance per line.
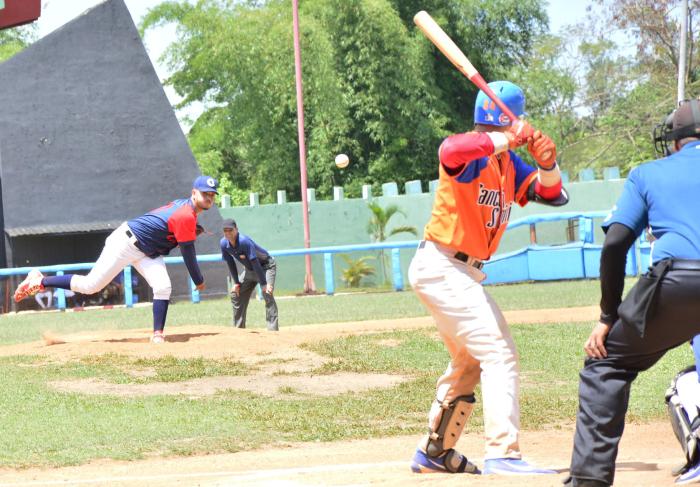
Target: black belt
(136,242)
(479,264)
(685,265)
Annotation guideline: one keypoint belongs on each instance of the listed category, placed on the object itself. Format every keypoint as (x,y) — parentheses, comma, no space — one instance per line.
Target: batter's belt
(467,259)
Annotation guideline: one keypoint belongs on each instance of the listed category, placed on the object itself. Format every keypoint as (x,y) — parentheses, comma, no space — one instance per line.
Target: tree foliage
(600,89)
(14,40)
(374,87)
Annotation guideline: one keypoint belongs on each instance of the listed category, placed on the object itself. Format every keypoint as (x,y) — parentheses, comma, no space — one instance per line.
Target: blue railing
(586,235)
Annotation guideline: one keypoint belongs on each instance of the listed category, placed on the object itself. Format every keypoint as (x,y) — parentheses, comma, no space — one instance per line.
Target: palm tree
(377,227)
(356,270)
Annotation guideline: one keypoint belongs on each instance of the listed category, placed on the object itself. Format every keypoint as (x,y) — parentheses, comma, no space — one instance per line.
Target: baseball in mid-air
(342,161)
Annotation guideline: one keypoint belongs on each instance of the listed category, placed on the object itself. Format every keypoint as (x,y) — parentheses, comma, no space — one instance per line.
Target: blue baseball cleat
(692,476)
(512,466)
(450,462)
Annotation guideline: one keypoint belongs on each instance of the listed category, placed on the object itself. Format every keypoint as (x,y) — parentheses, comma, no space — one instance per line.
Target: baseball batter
(141,242)
(480,179)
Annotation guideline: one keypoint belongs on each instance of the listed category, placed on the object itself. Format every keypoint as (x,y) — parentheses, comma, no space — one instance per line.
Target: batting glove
(519,133)
(543,150)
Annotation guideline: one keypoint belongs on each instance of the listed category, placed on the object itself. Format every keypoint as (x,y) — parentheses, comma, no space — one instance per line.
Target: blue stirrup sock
(160,311)
(57,281)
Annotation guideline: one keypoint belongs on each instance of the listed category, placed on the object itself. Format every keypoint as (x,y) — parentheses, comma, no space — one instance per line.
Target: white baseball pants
(119,251)
(478,340)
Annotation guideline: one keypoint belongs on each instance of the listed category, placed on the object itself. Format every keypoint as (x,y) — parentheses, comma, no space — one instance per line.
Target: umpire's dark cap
(686,120)
(229,223)
(206,184)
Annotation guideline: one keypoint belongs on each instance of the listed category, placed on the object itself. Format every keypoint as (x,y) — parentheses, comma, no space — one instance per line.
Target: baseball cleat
(422,463)
(692,476)
(30,286)
(158,337)
(512,466)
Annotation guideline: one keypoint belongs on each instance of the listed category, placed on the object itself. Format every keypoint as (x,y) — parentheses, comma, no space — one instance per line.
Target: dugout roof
(87,135)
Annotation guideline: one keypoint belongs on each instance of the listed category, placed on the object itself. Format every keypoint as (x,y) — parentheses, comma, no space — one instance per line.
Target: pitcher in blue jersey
(142,242)
(660,312)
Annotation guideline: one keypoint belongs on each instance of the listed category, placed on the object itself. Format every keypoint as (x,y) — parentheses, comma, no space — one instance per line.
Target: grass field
(44,427)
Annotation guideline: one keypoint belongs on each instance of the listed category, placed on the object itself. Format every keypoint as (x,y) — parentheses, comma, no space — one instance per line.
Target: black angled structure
(88,139)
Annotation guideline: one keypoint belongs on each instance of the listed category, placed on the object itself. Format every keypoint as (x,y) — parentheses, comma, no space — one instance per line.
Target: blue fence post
(195,293)
(128,290)
(585,229)
(61,304)
(396,269)
(330,275)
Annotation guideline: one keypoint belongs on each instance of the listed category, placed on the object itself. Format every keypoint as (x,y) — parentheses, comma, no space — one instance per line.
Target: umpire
(259,268)
(661,310)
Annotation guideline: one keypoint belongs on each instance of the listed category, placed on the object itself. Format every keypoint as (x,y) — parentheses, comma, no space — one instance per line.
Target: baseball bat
(447,46)
(442,41)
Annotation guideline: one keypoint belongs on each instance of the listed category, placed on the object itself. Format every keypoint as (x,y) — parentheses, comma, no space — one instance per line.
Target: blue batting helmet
(487,113)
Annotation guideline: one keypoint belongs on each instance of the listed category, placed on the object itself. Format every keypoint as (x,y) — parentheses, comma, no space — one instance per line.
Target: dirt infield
(247,345)
(647,455)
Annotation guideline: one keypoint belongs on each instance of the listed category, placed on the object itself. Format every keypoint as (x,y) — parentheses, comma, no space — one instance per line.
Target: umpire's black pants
(604,386)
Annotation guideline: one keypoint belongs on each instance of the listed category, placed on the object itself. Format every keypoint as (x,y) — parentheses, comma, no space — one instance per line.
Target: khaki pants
(478,340)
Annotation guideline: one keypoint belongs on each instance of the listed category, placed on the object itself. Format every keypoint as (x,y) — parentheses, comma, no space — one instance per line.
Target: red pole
(309,285)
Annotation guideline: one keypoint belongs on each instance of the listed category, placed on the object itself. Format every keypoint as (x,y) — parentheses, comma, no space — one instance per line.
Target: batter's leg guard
(439,456)
(453,418)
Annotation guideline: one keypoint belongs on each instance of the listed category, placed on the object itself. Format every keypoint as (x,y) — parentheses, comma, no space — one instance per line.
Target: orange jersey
(472,208)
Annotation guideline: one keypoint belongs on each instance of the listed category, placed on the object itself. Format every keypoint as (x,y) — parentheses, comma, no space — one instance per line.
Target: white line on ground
(240,476)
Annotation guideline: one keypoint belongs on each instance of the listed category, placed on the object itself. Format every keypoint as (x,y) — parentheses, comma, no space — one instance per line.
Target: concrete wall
(344,221)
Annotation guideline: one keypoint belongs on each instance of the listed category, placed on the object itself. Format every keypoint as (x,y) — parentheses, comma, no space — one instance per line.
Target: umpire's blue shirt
(248,253)
(664,195)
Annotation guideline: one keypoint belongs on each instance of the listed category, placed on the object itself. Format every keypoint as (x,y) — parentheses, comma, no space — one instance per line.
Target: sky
(56,13)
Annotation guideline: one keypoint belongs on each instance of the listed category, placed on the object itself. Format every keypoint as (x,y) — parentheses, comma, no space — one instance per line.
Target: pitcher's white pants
(478,340)
(119,251)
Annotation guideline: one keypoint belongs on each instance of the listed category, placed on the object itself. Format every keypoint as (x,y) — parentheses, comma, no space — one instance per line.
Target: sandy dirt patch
(248,345)
(280,387)
(648,452)
(273,355)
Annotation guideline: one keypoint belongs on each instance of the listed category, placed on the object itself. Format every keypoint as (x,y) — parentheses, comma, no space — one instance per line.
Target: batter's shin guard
(452,418)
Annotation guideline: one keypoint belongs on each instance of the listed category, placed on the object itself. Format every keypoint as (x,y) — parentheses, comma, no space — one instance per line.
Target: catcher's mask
(683,122)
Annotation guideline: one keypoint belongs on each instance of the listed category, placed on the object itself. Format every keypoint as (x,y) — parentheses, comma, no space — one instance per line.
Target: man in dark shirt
(259,268)
(659,313)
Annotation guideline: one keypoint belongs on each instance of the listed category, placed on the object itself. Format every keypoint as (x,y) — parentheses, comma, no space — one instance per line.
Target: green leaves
(14,40)
(374,87)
